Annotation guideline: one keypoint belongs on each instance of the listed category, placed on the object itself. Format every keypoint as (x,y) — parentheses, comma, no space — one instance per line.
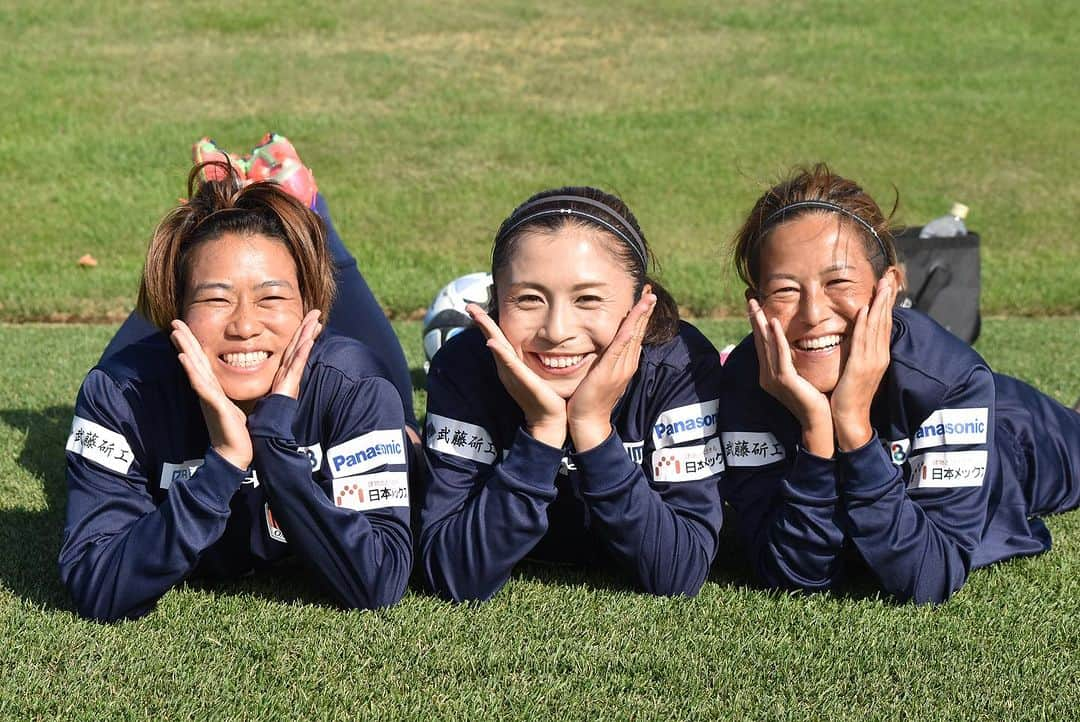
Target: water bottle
(949,225)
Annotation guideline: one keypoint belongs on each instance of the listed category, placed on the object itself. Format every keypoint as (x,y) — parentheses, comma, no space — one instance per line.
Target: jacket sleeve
(358,542)
(481,514)
(121,552)
(661,518)
(788,512)
(918,534)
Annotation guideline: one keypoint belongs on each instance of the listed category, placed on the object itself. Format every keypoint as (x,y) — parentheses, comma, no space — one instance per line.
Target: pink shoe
(275,159)
(205,149)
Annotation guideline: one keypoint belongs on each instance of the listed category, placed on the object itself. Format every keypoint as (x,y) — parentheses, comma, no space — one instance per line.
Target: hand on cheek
(294,359)
(867,361)
(779,378)
(589,409)
(226,424)
(544,410)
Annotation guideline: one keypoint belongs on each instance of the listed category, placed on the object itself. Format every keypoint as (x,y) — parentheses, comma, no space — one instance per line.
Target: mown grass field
(425,125)
(555,643)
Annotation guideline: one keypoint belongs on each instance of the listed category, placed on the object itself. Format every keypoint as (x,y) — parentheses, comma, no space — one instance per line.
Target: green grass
(426,124)
(555,643)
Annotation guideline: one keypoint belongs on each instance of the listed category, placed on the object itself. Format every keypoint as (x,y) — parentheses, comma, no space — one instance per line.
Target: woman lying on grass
(874,433)
(247,438)
(577,423)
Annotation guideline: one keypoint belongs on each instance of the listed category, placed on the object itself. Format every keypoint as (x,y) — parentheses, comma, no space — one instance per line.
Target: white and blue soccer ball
(446,316)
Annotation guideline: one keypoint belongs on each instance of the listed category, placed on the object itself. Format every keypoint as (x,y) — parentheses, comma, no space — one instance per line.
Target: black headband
(826,205)
(632,239)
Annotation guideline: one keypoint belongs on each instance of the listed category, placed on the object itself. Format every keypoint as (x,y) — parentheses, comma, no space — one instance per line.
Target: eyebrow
(575,287)
(830,269)
(226,286)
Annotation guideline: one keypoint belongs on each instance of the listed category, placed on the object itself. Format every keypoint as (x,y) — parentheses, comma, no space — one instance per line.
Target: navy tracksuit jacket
(962,462)
(150,503)
(647,496)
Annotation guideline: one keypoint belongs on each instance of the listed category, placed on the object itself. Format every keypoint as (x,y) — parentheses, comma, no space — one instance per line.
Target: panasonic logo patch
(687,463)
(365,452)
(459,438)
(949,427)
(685,423)
(946,469)
(182,471)
(751,448)
(102,446)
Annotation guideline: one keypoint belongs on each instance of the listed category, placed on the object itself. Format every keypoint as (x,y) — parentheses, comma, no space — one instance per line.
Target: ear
(896,277)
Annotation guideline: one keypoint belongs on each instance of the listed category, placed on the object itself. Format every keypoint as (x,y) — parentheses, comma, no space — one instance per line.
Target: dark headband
(825,205)
(629,235)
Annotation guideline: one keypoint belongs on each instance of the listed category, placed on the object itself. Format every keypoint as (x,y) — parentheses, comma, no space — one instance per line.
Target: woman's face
(242,303)
(561,300)
(814,277)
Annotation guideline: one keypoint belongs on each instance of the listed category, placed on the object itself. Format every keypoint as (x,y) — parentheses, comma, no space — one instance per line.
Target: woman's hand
(867,361)
(545,410)
(589,409)
(777,375)
(294,359)
(225,422)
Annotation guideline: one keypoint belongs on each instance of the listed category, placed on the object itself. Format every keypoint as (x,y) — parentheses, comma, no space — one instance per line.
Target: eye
(527,300)
(782,292)
(839,283)
(589,300)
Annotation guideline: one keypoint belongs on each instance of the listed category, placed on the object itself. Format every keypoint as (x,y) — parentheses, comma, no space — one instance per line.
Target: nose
(558,324)
(243,323)
(813,306)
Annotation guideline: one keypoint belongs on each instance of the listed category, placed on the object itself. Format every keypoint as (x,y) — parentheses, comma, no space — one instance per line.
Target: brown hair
(225,206)
(604,212)
(855,208)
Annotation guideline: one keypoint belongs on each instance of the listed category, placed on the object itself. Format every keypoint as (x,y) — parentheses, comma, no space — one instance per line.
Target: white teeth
(822,342)
(560,362)
(245,360)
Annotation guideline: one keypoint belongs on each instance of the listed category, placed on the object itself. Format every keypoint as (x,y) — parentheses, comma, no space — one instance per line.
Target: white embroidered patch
(751,448)
(372,491)
(898,450)
(687,463)
(685,423)
(105,447)
(314,455)
(365,452)
(272,527)
(459,438)
(948,427)
(946,469)
(182,471)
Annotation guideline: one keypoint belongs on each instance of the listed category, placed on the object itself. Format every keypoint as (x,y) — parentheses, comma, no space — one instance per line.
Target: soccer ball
(446,316)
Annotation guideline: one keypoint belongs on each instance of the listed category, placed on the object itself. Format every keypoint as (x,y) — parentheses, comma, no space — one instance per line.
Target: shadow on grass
(30,540)
(418,378)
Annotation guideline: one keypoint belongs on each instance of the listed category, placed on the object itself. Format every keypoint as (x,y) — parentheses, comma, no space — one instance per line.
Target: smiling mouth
(821,344)
(560,364)
(247,360)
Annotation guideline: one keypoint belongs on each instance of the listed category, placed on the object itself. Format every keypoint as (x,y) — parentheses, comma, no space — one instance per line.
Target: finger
(303,332)
(184,340)
(485,322)
(759,330)
(631,330)
(783,366)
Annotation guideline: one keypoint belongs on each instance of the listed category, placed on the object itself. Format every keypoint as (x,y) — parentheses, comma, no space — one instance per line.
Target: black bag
(943,279)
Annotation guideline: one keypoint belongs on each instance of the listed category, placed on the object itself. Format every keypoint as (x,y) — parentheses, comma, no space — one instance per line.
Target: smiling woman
(578,422)
(216,454)
(856,432)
